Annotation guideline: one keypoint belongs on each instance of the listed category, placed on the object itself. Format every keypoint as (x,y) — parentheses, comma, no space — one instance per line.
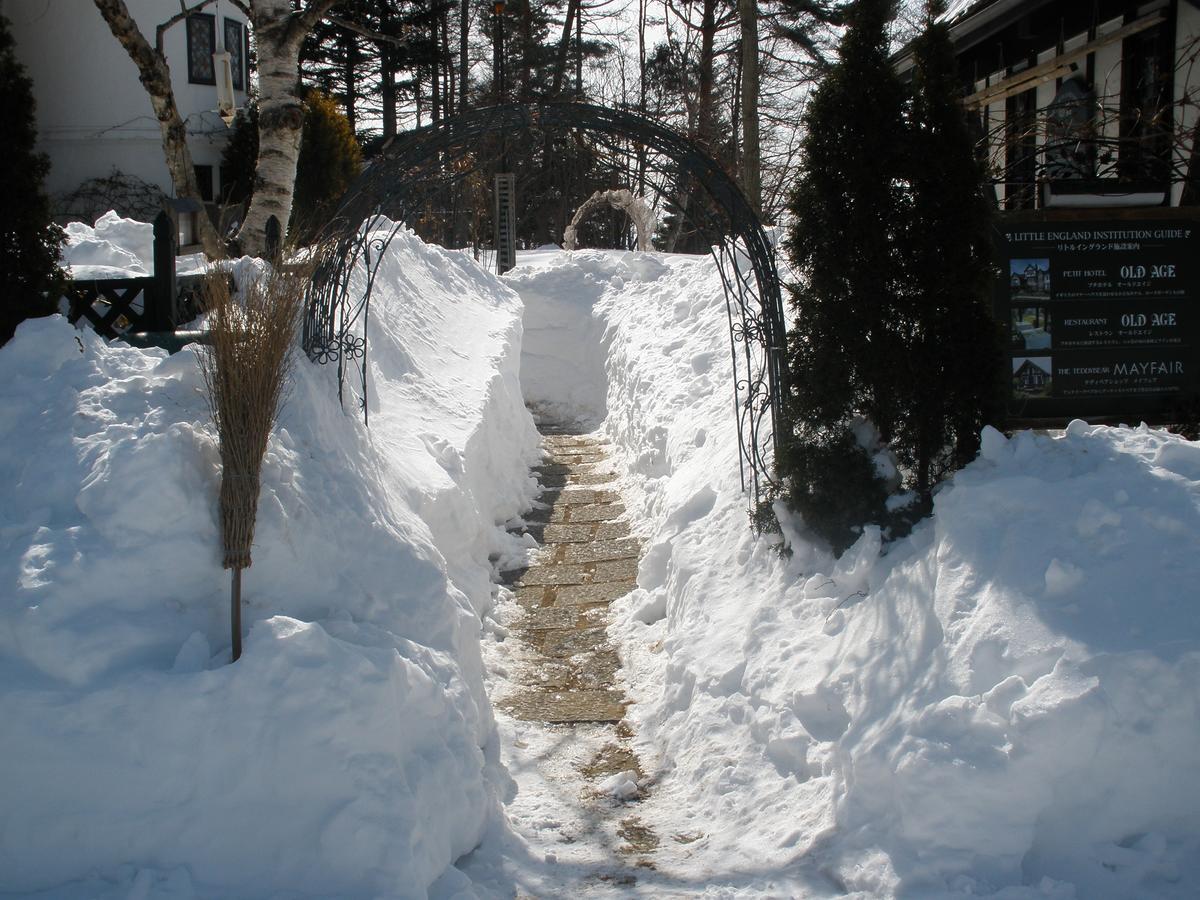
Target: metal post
(235,612)
(505,222)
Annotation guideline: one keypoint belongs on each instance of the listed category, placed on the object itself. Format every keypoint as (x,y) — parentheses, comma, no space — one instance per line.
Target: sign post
(1101,317)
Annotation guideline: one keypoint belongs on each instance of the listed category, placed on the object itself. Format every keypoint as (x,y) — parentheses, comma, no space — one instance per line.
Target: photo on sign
(1030,327)
(1031,376)
(1029,279)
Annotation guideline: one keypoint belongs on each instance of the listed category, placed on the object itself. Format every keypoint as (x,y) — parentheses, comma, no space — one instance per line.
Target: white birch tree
(279,30)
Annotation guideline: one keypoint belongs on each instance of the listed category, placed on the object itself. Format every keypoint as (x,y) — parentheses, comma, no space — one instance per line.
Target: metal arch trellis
(396,188)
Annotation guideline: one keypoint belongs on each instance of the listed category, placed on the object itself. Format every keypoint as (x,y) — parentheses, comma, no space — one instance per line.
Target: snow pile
(116,248)
(1005,704)
(348,752)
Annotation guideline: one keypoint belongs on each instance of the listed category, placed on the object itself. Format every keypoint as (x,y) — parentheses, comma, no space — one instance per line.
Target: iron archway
(394,191)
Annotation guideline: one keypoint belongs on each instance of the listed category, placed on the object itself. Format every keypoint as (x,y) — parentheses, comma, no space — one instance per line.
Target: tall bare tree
(155,75)
(751,161)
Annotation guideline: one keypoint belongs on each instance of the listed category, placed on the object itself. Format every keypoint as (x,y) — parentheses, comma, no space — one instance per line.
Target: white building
(94,116)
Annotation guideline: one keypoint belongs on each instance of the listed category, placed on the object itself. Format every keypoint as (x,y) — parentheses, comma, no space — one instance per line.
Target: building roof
(972,21)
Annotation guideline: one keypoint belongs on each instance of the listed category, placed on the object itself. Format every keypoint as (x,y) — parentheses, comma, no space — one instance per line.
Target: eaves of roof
(972,21)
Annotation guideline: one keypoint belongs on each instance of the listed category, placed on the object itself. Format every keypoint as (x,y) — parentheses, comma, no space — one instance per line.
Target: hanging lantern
(223,69)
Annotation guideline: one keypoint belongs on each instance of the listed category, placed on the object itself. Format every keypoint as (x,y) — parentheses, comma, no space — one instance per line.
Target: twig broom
(246,367)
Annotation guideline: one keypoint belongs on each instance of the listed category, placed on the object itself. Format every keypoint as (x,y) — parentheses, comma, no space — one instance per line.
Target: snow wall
(1005,704)
(349,751)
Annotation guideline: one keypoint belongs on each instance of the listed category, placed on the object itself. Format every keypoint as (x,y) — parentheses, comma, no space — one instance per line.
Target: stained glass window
(235,45)
(201,40)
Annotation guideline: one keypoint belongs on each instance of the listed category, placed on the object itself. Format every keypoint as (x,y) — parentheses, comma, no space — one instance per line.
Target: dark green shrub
(330,159)
(29,239)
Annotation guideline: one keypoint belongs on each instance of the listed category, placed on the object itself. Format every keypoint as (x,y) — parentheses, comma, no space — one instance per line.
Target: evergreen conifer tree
(957,377)
(29,240)
(893,316)
(847,354)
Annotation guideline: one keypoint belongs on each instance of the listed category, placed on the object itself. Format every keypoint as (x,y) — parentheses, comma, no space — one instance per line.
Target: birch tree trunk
(155,75)
(278,31)
(751,156)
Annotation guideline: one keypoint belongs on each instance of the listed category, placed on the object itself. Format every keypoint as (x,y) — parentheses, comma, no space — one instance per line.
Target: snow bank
(116,248)
(344,754)
(1006,704)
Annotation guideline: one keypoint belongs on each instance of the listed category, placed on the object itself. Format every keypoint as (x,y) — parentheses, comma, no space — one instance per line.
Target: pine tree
(847,353)
(330,159)
(29,240)
(956,375)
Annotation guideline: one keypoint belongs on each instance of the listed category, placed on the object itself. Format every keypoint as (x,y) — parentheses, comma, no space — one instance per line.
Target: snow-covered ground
(1005,704)
(349,752)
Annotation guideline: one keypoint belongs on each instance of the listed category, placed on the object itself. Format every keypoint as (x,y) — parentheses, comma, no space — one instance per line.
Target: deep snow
(1005,704)
(348,751)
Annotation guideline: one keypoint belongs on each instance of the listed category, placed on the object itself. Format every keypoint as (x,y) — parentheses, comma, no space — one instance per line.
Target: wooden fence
(157,303)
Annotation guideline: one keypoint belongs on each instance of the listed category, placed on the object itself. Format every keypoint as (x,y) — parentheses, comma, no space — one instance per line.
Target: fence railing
(156,303)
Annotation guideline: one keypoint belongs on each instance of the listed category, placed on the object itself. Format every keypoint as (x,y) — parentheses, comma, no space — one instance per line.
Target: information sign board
(1101,317)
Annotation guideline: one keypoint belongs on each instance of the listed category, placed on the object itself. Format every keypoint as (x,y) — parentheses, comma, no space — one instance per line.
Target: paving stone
(566,439)
(596,671)
(552,469)
(610,760)
(619,570)
(535,596)
(599,551)
(567,534)
(551,574)
(593,593)
(553,481)
(592,478)
(558,675)
(610,531)
(567,706)
(574,456)
(576,496)
(547,617)
(558,643)
(598,512)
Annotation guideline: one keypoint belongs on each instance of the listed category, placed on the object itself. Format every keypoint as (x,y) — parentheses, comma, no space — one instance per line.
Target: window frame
(240,71)
(195,22)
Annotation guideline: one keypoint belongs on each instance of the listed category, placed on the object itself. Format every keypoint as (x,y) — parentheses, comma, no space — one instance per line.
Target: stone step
(568,534)
(594,512)
(560,643)
(592,593)
(578,533)
(618,570)
(566,706)
(547,574)
(598,551)
(592,478)
(545,618)
(576,456)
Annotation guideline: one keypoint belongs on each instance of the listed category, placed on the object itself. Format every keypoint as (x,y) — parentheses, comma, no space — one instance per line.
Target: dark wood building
(1082,103)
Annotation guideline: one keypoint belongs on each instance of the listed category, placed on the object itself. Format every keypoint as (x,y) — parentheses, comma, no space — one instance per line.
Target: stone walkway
(587,559)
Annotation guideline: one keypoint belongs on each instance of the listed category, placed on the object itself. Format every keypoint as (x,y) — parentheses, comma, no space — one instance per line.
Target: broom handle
(235,612)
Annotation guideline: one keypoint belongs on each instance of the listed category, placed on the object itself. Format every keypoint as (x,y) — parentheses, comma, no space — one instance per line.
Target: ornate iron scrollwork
(416,173)
(339,302)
